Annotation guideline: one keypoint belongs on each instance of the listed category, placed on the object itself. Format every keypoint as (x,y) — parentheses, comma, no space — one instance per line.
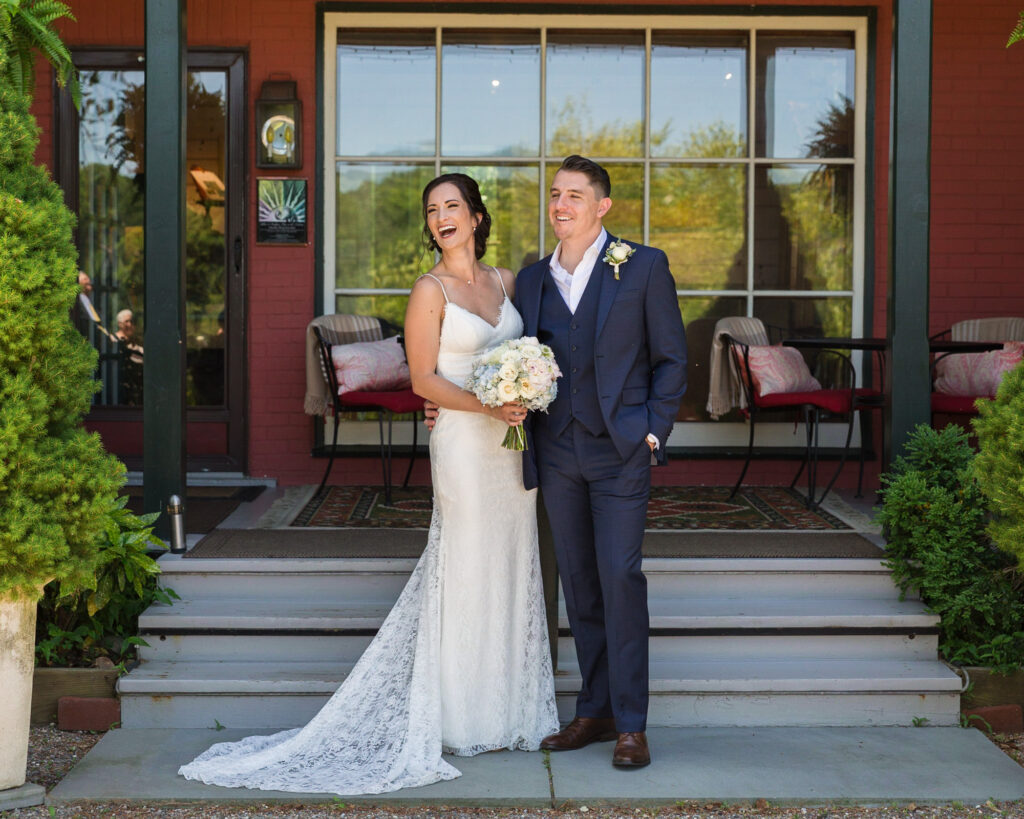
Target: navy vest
(571,337)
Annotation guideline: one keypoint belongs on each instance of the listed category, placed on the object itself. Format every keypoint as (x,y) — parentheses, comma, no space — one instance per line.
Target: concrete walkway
(783,765)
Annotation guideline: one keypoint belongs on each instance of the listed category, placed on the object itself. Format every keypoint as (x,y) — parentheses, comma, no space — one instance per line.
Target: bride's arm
(422,342)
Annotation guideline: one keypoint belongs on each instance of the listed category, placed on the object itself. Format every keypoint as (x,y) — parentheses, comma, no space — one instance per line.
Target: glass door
(101,165)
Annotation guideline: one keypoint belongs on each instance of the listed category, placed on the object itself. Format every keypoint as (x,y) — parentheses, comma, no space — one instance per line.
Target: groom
(618,337)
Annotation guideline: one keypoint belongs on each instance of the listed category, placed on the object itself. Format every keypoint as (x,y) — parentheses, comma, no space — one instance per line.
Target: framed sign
(281,211)
(278,133)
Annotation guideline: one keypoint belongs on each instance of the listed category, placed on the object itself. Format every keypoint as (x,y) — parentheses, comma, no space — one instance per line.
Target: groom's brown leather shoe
(580,732)
(631,751)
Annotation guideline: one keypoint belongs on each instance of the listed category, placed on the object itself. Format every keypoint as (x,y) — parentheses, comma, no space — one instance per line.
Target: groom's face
(574,208)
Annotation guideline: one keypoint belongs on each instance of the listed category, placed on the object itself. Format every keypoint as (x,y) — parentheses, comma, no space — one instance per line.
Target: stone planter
(17,660)
(53,683)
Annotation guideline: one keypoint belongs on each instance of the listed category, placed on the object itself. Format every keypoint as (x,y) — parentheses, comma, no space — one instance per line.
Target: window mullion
(542,199)
(751,142)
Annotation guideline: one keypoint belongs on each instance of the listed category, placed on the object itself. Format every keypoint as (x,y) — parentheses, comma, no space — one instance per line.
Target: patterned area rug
(671,508)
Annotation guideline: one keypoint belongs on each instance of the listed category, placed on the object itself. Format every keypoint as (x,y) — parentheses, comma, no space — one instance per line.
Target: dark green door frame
(164,370)
(909,191)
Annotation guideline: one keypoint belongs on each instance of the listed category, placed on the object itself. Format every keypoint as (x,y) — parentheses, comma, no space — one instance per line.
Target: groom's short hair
(597,175)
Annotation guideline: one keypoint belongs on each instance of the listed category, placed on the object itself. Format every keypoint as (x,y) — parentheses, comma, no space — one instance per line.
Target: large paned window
(735,144)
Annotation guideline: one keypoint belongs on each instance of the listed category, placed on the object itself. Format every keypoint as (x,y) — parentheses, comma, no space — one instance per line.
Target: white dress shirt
(572,285)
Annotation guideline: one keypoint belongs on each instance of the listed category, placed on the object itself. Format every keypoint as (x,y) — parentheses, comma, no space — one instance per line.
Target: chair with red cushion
(386,403)
(947,397)
(840,398)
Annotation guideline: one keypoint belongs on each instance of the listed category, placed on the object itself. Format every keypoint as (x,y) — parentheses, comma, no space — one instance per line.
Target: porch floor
(783,765)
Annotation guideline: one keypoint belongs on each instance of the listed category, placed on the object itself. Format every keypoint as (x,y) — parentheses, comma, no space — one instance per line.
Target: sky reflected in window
(386,84)
(490,97)
(698,95)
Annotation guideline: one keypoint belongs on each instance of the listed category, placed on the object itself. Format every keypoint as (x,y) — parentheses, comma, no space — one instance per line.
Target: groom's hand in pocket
(429,414)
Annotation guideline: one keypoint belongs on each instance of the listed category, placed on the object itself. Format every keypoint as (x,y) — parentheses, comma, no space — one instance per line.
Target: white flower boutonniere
(618,253)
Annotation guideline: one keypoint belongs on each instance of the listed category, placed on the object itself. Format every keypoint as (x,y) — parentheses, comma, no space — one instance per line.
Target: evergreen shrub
(57,485)
(934,516)
(999,466)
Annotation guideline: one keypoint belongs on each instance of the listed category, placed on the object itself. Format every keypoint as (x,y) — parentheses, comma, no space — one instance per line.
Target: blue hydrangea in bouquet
(519,371)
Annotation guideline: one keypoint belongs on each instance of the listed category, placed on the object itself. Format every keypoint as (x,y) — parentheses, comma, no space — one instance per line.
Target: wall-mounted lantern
(278,126)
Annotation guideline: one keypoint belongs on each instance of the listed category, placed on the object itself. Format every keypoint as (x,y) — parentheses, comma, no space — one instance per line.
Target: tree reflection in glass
(379,226)
(803,227)
(800,79)
(595,93)
(698,94)
(698,217)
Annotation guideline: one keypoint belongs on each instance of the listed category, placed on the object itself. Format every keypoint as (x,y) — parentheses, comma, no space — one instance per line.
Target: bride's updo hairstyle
(471,196)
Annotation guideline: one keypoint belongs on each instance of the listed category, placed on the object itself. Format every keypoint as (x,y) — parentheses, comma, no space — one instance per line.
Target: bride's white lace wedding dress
(461,664)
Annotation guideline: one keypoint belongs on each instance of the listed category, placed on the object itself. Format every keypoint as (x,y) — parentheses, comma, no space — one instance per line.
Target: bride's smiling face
(449,218)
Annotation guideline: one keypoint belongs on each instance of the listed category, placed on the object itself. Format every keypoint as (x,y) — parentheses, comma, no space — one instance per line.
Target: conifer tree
(999,466)
(57,485)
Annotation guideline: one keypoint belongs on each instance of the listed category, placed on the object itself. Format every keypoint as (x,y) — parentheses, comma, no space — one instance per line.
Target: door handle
(238,254)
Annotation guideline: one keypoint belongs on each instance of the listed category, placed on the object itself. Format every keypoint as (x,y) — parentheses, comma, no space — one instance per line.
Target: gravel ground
(53,753)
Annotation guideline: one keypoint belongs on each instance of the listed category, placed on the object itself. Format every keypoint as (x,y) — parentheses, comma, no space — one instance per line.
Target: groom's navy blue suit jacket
(639,348)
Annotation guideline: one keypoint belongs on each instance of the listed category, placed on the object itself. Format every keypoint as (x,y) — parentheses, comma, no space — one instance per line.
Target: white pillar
(17,662)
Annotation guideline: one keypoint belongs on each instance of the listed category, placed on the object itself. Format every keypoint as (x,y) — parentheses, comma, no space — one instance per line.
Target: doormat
(306,543)
(671,508)
(205,506)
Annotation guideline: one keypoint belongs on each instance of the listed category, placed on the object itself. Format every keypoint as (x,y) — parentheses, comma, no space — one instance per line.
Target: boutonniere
(618,253)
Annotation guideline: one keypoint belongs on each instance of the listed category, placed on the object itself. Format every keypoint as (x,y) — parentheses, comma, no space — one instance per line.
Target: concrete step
(382,579)
(305,616)
(274,648)
(699,693)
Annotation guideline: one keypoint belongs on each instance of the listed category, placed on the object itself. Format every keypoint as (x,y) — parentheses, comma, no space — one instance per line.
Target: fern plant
(26,26)
(1018,32)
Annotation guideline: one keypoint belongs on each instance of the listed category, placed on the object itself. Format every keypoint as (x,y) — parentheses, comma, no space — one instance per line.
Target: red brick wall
(280,35)
(977,218)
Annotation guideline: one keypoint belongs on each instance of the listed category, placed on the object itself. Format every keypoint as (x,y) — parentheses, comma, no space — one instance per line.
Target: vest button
(572,326)
(573,348)
(574,390)
(575,369)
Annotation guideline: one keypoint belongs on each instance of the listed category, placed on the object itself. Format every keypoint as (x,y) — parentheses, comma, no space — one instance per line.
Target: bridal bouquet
(520,370)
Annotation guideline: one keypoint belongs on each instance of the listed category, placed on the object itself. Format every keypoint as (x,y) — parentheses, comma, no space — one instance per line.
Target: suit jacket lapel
(531,297)
(609,287)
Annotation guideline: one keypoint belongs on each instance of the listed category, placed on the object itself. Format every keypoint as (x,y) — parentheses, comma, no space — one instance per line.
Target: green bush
(999,466)
(74,627)
(934,517)
(57,485)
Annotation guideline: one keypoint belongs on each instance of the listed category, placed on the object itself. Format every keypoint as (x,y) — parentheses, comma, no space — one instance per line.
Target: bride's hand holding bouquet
(517,375)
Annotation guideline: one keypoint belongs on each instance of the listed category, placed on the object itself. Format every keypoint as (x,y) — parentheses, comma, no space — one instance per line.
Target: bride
(461,664)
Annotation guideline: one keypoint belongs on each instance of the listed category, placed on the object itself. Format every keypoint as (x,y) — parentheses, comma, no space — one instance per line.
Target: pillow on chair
(976,373)
(777,369)
(373,366)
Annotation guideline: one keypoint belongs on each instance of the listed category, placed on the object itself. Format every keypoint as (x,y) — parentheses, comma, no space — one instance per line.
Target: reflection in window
(205,242)
(595,93)
(803,227)
(490,96)
(110,223)
(698,95)
(806,316)
(626,217)
(386,93)
(510,194)
(698,217)
(378,235)
(805,92)
(700,315)
(733,210)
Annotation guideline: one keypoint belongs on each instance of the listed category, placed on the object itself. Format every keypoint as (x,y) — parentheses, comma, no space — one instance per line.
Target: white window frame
(688,434)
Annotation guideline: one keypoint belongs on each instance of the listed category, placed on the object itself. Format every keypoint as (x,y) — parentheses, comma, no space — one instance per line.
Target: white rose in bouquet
(522,371)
